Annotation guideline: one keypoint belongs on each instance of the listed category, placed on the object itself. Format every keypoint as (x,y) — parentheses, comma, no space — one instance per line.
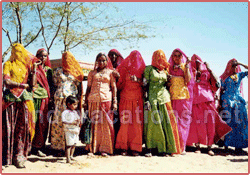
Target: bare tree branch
(34,37)
(5,53)
(58,28)
(19,22)
(67,29)
(43,34)
(7,33)
(110,27)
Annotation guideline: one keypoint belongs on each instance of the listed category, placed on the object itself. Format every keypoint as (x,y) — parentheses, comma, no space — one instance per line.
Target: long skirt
(158,130)
(174,127)
(182,111)
(237,118)
(206,127)
(16,138)
(57,135)
(41,107)
(102,128)
(131,125)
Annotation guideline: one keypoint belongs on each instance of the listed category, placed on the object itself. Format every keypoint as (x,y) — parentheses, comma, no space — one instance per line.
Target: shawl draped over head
(133,64)
(159,60)
(17,67)
(119,58)
(195,58)
(202,67)
(229,71)
(71,66)
(47,63)
(109,63)
(40,74)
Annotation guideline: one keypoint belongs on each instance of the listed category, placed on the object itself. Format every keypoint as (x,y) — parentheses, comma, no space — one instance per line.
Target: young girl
(71,122)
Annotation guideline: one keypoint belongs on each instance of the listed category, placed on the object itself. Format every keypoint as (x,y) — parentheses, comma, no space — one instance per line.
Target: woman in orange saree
(100,99)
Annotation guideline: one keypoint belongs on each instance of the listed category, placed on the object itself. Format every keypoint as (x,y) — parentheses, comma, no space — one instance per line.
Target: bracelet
(187,66)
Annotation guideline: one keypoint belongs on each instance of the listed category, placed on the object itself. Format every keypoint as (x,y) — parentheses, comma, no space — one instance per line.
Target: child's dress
(71,131)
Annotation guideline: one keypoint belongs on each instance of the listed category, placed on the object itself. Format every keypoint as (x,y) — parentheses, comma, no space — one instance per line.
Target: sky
(216,31)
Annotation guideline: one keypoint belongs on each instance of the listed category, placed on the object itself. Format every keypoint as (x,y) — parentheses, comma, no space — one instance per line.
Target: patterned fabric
(16,143)
(100,85)
(17,69)
(66,85)
(102,127)
(157,126)
(71,66)
(99,103)
(235,114)
(41,95)
(178,88)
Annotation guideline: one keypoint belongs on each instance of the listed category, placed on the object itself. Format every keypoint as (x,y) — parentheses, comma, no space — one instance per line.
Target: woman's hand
(187,62)
(134,78)
(25,86)
(207,65)
(116,74)
(147,105)
(114,106)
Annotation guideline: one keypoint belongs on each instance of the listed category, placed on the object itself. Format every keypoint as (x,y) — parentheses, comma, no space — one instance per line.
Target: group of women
(166,105)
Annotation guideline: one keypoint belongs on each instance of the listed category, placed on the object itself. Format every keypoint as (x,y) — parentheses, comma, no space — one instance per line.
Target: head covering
(229,71)
(109,63)
(47,63)
(71,66)
(133,64)
(17,67)
(119,58)
(183,60)
(40,74)
(195,58)
(203,67)
(159,60)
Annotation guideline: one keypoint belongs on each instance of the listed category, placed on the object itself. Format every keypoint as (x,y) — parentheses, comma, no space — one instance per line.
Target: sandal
(148,155)
(104,155)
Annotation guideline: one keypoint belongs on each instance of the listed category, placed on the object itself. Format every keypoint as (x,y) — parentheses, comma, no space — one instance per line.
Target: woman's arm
(114,92)
(245,66)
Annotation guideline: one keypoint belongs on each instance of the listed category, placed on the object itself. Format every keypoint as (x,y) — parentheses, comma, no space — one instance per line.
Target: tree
(75,24)
(15,14)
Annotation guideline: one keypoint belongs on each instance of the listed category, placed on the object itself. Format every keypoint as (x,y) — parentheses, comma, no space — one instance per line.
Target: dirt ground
(189,163)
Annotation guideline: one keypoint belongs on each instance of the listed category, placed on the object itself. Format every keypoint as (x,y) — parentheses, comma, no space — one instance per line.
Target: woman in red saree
(41,95)
(131,104)
(100,99)
(18,113)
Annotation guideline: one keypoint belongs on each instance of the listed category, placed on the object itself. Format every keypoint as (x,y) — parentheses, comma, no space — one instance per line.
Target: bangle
(187,66)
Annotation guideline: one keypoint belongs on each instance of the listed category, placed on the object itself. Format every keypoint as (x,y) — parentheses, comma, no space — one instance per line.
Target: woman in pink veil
(206,126)
(181,91)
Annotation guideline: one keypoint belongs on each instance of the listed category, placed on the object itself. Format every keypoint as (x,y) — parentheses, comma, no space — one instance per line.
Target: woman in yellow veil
(18,112)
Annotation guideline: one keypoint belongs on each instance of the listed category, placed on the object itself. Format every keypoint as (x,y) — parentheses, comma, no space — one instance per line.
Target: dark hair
(71,99)
(100,55)
(39,52)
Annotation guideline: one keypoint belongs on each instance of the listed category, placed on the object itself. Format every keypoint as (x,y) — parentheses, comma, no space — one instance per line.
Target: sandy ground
(189,163)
